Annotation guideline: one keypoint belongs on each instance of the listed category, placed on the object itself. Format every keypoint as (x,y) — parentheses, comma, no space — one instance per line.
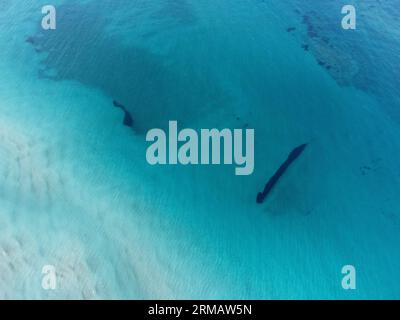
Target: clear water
(76,191)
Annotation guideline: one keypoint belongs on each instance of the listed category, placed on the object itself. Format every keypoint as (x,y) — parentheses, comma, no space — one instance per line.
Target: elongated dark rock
(296,152)
(128,120)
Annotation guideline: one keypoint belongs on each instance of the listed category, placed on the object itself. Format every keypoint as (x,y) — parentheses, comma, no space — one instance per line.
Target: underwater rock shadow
(294,154)
(149,88)
(128,119)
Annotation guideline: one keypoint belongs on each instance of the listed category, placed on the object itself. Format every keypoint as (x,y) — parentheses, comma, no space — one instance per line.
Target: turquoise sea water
(76,191)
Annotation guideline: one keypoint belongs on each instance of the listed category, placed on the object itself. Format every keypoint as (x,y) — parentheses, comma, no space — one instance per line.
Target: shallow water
(77,192)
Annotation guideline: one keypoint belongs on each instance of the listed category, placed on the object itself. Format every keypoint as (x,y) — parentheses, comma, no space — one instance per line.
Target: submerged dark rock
(290,29)
(128,119)
(118,104)
(296,152)
(305,47)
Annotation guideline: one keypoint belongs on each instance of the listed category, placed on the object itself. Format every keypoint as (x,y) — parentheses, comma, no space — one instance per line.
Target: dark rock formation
(296,152)
(128,119)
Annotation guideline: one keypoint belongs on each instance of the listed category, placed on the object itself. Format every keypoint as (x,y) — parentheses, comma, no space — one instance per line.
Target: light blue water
(76,191)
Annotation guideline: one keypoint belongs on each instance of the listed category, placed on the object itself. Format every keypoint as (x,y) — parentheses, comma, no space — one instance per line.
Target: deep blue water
(76,191)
